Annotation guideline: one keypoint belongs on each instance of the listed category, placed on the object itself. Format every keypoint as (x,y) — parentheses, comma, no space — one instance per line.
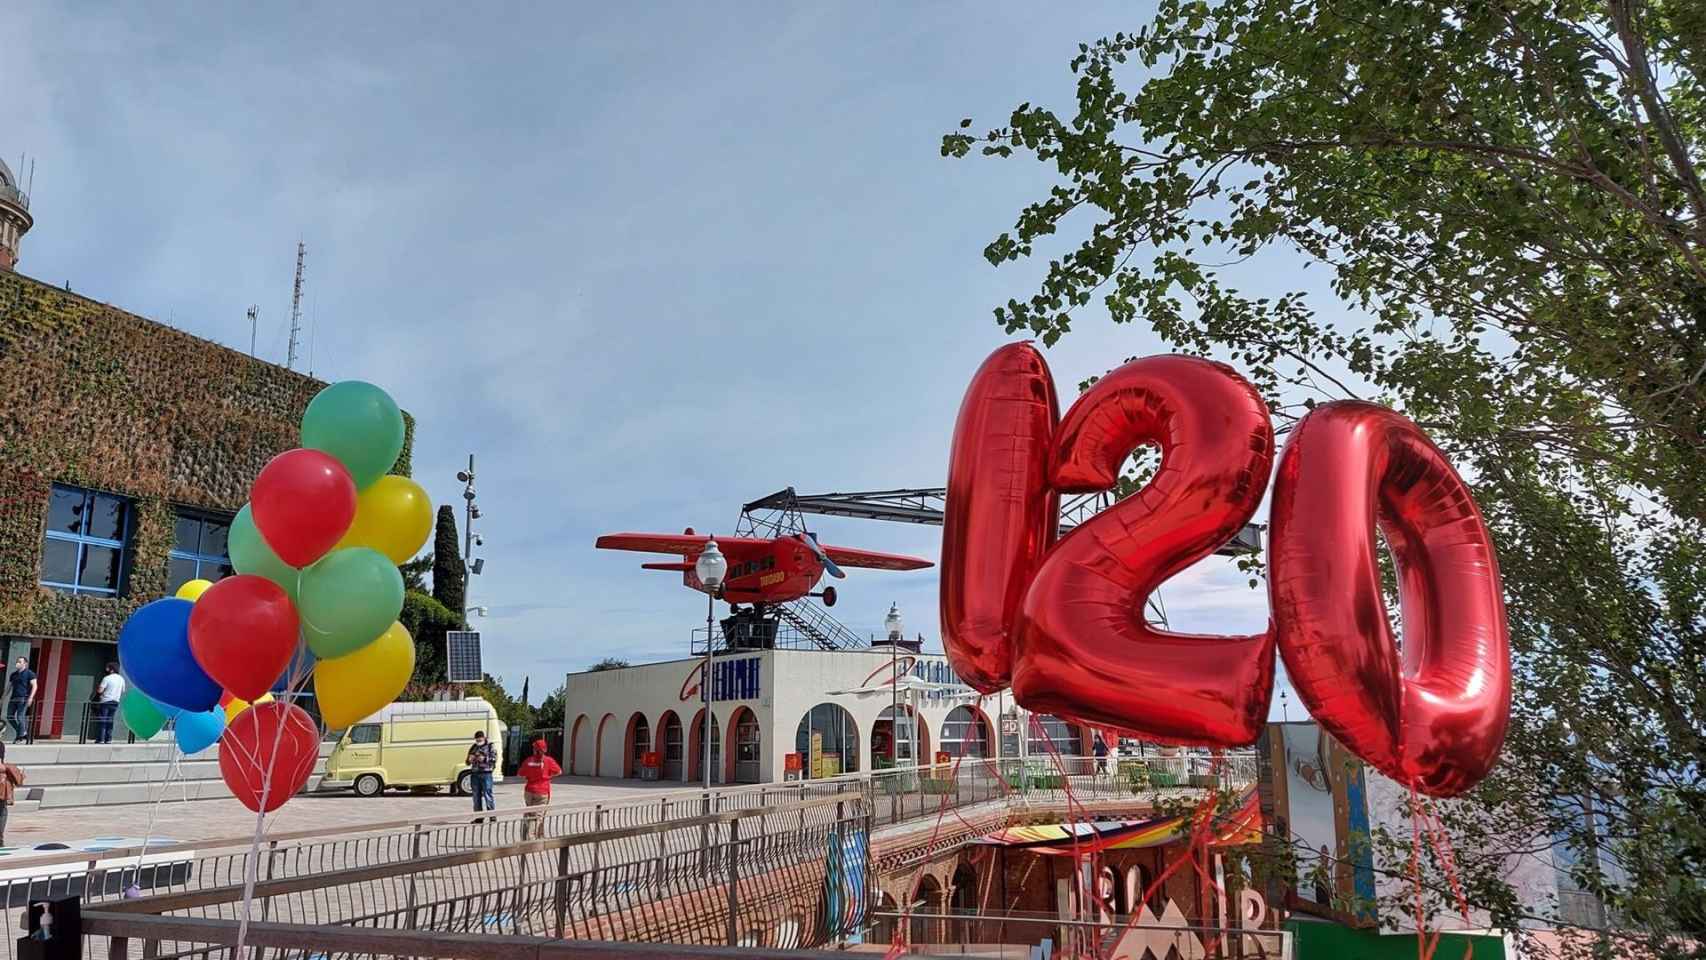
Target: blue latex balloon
(154,649)
(301,668)
(198,731)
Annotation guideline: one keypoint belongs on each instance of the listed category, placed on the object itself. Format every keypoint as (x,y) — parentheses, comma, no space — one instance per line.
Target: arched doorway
(963,895)
(926,900)
(696,750)
(580,746)
(883,928)
(899,738)
(837,736)
(637,743)
(608,761)
(744,751)
(670,747)
(966,732)
(1046,731)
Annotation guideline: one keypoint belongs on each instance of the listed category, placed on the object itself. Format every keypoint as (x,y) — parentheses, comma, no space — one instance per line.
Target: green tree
(510,710)
(414,572)
(449,574)
(427,620)
(1507,204)
(608,663)
(550,714)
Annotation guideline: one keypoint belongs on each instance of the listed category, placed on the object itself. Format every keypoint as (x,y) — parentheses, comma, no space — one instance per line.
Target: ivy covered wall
(96,397)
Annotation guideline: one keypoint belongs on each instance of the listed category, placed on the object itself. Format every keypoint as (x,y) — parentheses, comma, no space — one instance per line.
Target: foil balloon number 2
(1061,618)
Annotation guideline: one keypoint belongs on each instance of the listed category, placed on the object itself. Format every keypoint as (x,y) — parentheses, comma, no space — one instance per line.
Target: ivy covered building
(125,449)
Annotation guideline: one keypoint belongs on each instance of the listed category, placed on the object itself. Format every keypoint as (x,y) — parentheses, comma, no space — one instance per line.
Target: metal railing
(886,798)
(759,876)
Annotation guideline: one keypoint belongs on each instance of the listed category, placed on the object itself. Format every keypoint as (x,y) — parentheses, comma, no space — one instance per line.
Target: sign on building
(462,656)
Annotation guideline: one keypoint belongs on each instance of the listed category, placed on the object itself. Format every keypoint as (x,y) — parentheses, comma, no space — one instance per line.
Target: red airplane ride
(762,572)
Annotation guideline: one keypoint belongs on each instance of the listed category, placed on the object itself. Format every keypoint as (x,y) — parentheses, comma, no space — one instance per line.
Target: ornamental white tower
(15,219)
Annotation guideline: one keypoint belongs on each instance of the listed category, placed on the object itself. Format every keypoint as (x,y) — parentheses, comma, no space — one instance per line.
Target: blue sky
(646,265)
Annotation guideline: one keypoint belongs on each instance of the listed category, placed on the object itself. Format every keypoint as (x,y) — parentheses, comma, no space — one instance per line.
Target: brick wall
(96,397)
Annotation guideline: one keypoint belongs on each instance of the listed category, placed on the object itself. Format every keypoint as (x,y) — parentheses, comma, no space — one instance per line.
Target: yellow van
(414,745)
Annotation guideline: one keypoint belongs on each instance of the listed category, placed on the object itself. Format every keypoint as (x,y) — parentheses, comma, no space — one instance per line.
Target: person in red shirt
(537,770)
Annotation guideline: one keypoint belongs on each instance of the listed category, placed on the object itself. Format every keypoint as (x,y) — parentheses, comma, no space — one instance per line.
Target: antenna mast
(296,308)
(254,315)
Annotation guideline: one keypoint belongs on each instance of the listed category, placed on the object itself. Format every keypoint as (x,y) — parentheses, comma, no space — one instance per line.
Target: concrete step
(86,775)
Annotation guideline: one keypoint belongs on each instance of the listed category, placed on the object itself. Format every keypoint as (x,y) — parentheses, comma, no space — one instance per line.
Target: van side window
(364,733)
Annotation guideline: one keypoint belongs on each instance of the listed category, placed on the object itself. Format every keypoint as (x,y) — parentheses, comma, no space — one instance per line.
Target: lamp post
(710,568)
(891,623)
(470,513)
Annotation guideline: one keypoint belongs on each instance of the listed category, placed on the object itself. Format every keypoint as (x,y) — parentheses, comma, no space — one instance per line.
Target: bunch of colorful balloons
(317,592)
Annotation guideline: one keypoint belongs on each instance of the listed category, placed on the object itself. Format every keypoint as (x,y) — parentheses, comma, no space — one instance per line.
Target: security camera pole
(470,513)
(710,568)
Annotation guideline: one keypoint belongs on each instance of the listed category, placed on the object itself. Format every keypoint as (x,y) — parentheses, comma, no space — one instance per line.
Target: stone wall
(96,397)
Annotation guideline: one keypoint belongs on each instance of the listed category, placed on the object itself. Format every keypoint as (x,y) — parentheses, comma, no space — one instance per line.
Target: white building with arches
(777,714)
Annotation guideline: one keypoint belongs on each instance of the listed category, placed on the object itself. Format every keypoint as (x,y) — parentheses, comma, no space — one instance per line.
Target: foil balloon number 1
(1061,618)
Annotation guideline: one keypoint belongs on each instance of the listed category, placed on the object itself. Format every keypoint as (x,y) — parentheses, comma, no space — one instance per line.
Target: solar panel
(462,656)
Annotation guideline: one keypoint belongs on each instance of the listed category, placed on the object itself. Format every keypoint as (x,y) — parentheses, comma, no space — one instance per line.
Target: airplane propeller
(823,558)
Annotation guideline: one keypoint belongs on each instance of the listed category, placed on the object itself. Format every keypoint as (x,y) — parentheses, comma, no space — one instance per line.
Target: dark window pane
(58,561)
(179,571)
(217,572)
(213,538)
(65,511)
(100,568)
(107,520)
(187,537)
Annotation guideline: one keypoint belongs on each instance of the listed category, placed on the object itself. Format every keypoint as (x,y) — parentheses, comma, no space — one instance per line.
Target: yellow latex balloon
(193,589)
(393,516)
(353,687)
(237,705)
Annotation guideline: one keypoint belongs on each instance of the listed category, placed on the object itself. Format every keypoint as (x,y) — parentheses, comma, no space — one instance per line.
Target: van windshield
(364,733)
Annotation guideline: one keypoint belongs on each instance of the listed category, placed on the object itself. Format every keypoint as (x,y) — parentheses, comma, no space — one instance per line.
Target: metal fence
(881,799)
(774,876)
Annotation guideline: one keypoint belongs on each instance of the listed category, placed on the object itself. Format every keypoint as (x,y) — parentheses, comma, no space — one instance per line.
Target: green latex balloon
(141,714)
(250,554)
(349,597)
(357,423)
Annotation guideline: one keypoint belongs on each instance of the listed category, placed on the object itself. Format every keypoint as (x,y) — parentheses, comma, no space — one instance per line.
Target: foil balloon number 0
(1061,618)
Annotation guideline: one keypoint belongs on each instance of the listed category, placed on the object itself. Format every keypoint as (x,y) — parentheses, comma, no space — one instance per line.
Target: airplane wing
(870,559)
(684,545)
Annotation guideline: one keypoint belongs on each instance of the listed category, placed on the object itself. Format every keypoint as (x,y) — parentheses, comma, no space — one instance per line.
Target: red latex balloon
(1434,715)
(243,632)
(1001,515)
(1083,648)
(268,753)
(303,503)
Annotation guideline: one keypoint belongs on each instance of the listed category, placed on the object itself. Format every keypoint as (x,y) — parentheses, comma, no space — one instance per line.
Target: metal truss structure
(782,510)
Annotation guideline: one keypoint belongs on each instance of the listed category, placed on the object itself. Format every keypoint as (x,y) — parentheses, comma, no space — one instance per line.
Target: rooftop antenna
(32,187)
(295,308)
(254,316)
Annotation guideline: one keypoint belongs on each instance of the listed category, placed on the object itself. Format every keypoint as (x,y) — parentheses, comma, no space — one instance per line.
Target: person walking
(107,696)
(537,771)
(482,760)
(23,693)
(1101,751)
(11,778)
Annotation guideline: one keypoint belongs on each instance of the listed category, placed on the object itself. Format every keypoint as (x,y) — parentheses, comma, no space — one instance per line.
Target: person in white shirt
(107,696)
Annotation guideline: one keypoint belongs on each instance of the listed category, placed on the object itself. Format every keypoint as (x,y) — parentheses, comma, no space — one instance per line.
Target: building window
(199,551)
(82,551)
(965,733)
(1050,735)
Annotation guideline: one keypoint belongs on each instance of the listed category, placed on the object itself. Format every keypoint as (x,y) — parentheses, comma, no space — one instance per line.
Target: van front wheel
(465,784)
(369,785)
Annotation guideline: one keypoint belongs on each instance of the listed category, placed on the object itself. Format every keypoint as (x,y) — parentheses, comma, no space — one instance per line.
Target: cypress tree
(449,575)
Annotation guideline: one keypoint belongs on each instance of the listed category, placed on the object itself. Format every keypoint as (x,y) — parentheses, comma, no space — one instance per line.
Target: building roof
(9,189)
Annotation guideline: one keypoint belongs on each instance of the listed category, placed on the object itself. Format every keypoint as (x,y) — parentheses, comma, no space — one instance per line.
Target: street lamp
(710,568)
(891,623)
(470,513)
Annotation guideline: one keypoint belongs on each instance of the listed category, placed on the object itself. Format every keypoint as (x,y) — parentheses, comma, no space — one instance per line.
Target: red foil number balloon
(1432,713)
(1064,621)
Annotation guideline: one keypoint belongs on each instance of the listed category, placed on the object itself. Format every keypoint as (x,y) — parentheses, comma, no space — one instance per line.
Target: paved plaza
(188,821)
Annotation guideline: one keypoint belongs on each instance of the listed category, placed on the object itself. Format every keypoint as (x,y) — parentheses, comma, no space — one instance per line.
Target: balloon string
(252,868)
(154,810)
